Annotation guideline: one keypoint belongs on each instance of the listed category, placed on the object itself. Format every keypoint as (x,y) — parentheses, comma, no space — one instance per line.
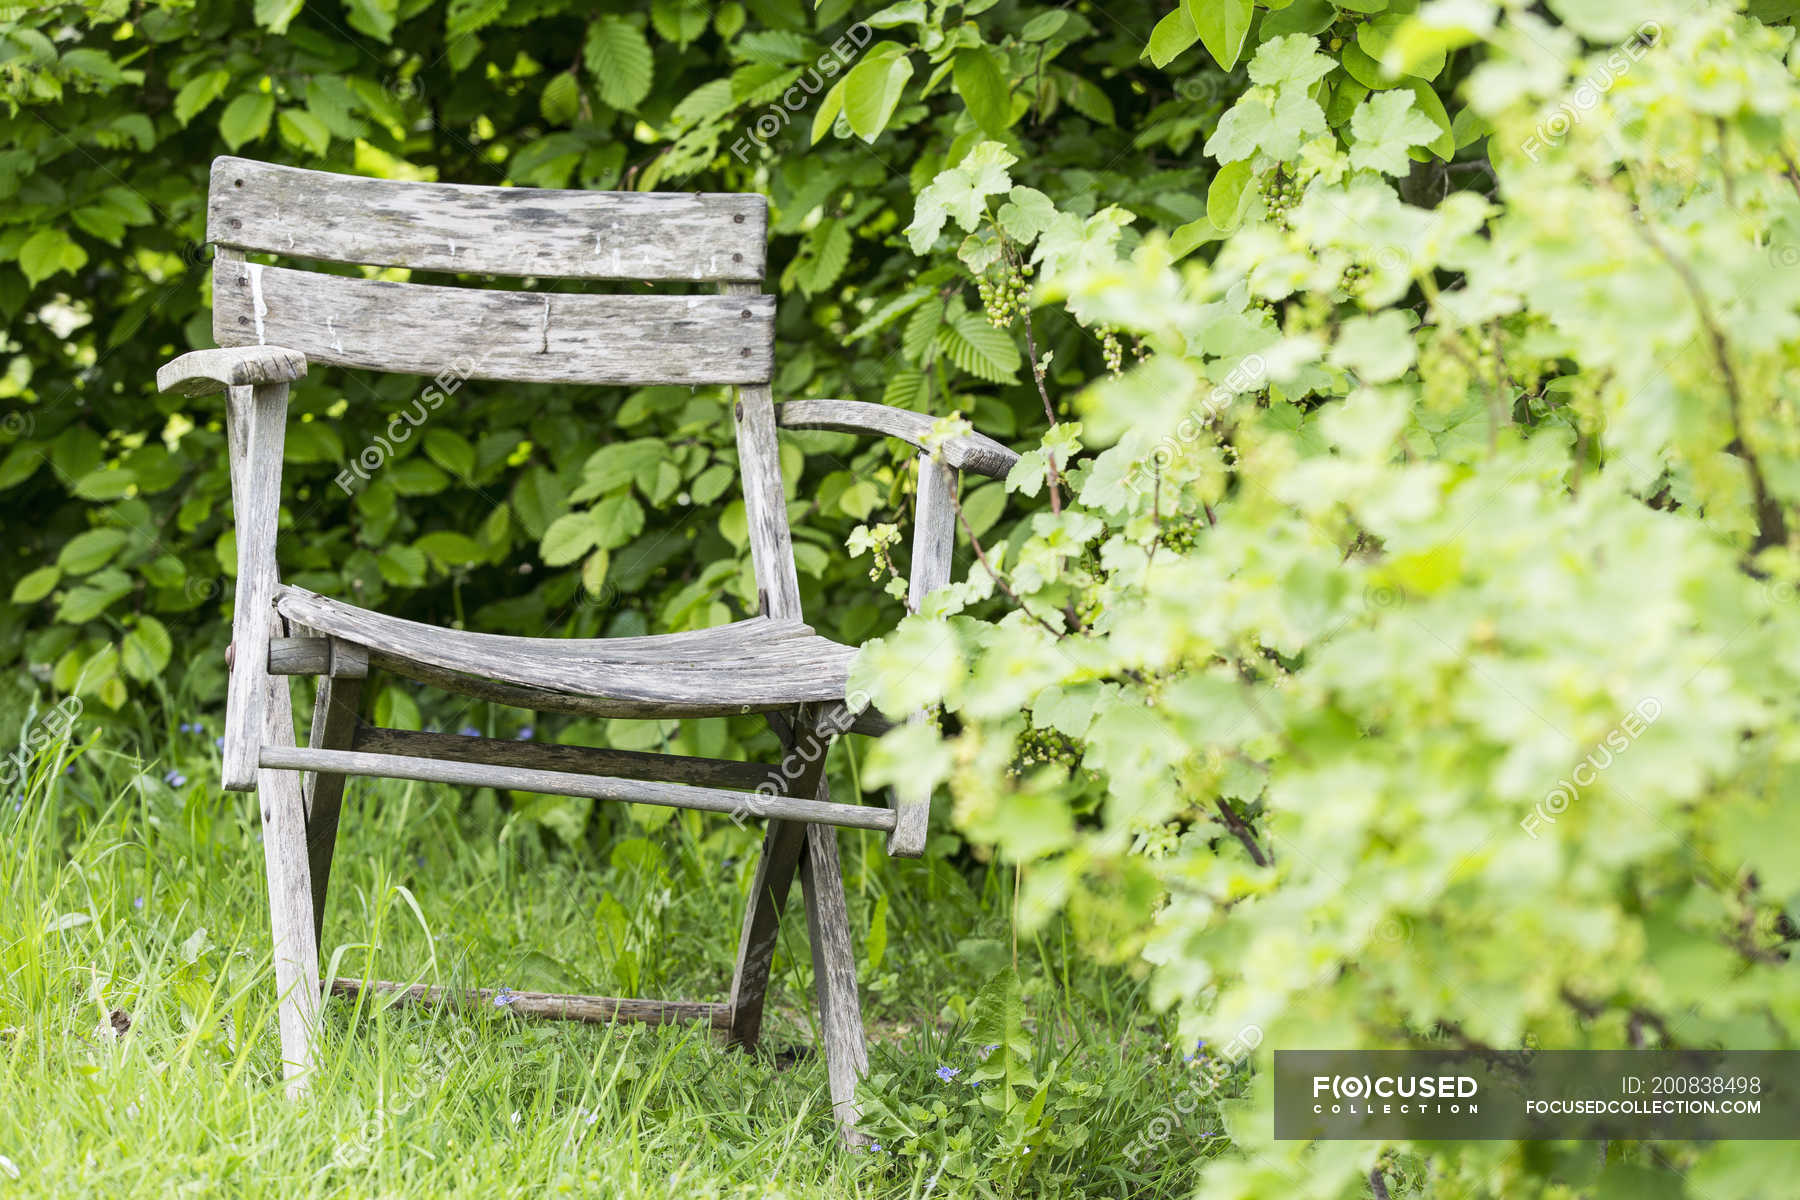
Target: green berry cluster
(1112,349)
(1004,297)
(1180,533)
(1280,192)
(1040,747)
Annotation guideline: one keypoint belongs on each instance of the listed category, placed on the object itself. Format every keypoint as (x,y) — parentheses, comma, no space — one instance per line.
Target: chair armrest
(205,371)
(971,452)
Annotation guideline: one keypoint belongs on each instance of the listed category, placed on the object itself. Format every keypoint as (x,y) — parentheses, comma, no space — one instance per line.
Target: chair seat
(755,665)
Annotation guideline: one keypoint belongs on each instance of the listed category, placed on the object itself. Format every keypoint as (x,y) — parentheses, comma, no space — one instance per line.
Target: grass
(130,895)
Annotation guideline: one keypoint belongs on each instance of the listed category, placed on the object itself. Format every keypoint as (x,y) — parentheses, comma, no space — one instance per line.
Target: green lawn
(129,890)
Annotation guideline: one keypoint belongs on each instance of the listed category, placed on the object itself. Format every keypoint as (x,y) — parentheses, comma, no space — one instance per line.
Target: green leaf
(1291,61)
(145,652)
(828,111)
(1272,122)
(303,131)
(561,99)
(873,88)
(1173,34)
(201,91)
(275,15)
(91,550)
(1378,348)
(451,549)
(1228,195)
(246,119)
(980,349)
(960,193)
(1384,127)
(1222,25)
(451,451)
(36,585)
(375,18)
(983,88)
(569,537)
(619,60)
(464,18)
(47,252)
(617,520)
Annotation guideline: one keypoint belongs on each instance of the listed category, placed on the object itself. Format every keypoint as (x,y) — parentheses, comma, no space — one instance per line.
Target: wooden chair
(271,322)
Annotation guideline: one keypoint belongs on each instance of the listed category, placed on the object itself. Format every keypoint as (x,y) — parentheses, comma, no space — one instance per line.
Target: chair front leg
(282,804)
(256,421)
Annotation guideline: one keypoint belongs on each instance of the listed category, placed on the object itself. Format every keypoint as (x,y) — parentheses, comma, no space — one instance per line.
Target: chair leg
(783,844)
(282,801)
(834,975)
(333,728)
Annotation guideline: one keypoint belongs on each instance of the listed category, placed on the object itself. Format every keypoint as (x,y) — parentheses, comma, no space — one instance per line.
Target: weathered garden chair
(271,322)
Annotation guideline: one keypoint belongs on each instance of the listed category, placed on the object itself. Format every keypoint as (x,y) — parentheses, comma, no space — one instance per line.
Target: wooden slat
(970,452)
(581,760)
(562,783)
(594,1009)
(765,499)
(528,337)
(550,234)
(736,668)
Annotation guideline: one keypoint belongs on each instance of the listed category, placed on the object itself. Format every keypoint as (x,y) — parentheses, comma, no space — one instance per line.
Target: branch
(1240,831)
(1771,523)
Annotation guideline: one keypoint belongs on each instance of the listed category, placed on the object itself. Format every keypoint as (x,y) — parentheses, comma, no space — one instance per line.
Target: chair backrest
(528,337)
(533,337)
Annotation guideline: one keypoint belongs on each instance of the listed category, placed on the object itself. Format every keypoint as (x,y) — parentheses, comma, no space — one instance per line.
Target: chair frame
(300,788)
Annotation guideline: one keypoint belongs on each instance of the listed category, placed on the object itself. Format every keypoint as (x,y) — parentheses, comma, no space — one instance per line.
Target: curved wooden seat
(756,665)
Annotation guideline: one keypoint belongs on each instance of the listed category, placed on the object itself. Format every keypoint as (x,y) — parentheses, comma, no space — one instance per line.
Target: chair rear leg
(281,799)
(783,844)
(333,728)
(834,977)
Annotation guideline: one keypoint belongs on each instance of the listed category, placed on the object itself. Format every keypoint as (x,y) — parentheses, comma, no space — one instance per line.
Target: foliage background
(1434,371)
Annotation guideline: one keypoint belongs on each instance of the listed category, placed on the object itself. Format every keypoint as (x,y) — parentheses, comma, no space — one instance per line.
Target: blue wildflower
(989,1048)
(875,1148)
(138,903)
(504,997)
(525,734)
(948,1073)
(175,779)
(219,743)
(1199,1049)
(469,731)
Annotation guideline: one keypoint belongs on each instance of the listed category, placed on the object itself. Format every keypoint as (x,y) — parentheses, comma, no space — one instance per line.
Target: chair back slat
(528,337)
(706,237)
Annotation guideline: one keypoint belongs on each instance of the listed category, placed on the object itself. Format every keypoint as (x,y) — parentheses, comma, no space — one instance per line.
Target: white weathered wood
(259,418)
(966,452)
(475,230)
(286,866)
(557,1005)
(765,498)
(203,371)
(728,669)
(317,656)
(834,978)
(563,783)
(934,541)
(471,333)
(581,760)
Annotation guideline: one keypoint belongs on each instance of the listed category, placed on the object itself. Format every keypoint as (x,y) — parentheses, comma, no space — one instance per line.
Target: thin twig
(1240,831)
